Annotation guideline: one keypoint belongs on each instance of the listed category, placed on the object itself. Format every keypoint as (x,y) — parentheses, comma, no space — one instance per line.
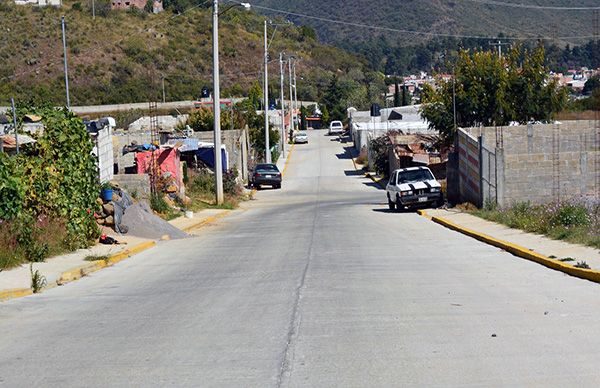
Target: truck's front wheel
(391,204)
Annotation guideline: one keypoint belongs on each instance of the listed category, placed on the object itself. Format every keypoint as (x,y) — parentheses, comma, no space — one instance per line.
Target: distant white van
(336,127)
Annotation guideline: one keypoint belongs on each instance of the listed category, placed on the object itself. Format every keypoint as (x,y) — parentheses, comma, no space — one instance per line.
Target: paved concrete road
(314,285)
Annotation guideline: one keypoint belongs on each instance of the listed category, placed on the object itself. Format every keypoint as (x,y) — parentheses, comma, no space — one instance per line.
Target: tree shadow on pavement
(370,183)
(353,173)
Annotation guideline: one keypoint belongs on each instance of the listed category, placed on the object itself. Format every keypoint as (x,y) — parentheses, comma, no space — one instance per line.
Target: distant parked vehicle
(301,137)
(336,127)
(413,187)
(266,174)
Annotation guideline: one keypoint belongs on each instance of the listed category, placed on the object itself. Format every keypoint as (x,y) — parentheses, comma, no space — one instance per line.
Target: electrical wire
(414,32)
(531,6)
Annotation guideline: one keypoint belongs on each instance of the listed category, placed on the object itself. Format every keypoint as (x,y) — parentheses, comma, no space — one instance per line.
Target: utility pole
(454,98)
(282,100)
(499,44)
(295,89)
(14,114)
(290,105)
(93,10)
(64,39)
(266,93)
(163,88)
(217,106)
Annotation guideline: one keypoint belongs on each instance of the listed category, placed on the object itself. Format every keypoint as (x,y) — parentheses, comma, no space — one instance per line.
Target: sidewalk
(199,219)
(531,246)
(63,269)
(72,266)
(59,270)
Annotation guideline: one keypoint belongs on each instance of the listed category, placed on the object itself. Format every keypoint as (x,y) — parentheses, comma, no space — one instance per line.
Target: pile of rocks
(106,215)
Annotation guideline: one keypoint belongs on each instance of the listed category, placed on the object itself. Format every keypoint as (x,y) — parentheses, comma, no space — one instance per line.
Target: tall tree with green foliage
(255,96)
(406,97)
(494,91)
(397,98)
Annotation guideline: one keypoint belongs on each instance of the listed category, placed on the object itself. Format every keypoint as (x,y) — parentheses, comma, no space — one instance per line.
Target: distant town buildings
(40,3)
(575,79)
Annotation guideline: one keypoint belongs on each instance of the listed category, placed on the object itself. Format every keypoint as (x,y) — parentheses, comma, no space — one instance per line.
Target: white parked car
(301,137)
(413,187)
(336,127)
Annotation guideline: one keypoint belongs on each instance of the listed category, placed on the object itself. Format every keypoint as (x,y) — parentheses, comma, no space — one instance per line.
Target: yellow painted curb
(14,293)
(207,220)
(423,213)
(128,253)
(78,273)
(287,160)
(377,181)
(517,250)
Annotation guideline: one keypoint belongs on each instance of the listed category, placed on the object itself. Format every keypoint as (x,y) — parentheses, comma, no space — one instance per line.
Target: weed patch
(96,258)
(576,221)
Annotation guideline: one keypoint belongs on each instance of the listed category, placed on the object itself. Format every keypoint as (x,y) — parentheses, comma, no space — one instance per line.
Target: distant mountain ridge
(444,17)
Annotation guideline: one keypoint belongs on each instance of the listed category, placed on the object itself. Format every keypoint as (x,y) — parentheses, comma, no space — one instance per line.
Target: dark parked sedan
(266,174)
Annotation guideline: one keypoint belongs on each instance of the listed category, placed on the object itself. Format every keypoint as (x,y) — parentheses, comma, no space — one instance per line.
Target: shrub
(203,182)
(11,188)
(158,203)
(569,215)
(231,185)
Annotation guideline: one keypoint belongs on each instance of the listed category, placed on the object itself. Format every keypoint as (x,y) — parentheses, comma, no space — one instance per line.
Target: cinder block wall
(543,163)
(104,149)
(134,184)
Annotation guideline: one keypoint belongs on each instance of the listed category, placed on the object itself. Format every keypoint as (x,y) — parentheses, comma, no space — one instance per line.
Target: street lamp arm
(246,6)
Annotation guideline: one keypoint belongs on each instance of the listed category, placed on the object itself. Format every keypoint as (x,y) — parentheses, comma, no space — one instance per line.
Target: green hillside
(123,56)
(407,36)
(444,17)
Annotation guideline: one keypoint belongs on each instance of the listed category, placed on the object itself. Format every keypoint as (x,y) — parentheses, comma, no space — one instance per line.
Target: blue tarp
(207,155)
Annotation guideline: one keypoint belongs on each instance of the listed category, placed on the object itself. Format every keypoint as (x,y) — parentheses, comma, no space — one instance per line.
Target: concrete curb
(517,250)
(14,293)
(287,160)
(207,220)
(423,213)
(79,272)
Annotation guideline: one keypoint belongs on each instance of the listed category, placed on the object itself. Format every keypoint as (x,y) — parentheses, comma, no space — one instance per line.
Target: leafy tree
(591,85)
(202,120)
(258,140)
(255,96)
(494,91)
(397,98)
(325,117)
(406,97)
(308,33)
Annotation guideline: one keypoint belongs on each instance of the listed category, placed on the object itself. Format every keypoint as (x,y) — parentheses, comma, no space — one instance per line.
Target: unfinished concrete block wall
(542,163)
(135,184)
(235,142)
(104,152)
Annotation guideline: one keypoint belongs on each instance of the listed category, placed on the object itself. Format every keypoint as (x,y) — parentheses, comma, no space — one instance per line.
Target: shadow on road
(388,210)
(353,173)
(373,184)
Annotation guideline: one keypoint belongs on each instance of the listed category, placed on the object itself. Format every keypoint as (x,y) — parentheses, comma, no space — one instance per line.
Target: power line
(531,6)
(404,31)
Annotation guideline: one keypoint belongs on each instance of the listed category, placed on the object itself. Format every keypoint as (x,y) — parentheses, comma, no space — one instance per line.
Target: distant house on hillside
(126,4)
(39,3)
(157,6)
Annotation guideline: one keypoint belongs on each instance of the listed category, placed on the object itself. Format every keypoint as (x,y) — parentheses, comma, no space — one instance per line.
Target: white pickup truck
(336,127)
(413,187)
